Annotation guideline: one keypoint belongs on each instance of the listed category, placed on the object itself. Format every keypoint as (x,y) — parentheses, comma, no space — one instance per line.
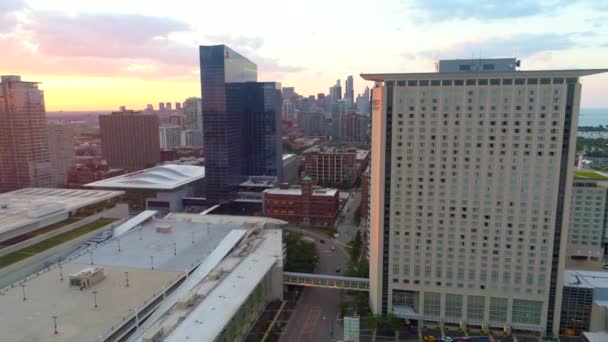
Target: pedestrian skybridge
(326,281)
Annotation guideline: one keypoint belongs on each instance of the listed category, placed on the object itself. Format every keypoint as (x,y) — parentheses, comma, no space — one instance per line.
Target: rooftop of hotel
(586,279)
(164,177)
(26,206)
(156,258)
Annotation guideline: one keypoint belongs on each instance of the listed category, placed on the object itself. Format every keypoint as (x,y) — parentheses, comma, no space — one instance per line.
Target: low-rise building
(29,212)
(183,277)
(303,204)
(584,302)
(161,188)
(587,234)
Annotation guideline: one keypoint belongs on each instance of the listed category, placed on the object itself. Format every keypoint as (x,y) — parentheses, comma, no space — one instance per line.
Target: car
(605,267)
(338,269)
(447,339)
(333,248)
(322,241)
(430,338)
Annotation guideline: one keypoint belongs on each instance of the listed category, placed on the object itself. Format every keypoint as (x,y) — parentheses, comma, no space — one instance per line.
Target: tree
(356,244)
(302,256)
(357,215)
(394,323)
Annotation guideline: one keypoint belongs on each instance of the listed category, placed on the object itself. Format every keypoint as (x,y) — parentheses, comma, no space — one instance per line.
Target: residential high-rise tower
(470,192)
(130,140)
(24,152)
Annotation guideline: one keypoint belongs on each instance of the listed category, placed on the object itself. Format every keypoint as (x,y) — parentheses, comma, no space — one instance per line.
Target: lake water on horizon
(593,117)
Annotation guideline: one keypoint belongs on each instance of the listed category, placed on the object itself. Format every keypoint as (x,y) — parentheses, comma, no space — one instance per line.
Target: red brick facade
(306,205)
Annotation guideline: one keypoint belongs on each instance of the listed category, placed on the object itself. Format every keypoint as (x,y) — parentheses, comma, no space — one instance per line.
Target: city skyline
(140,55)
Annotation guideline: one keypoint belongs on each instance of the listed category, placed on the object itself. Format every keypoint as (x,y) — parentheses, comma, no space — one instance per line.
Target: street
(316,316)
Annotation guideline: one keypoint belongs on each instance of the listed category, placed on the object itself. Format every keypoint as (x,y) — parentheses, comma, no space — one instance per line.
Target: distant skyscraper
(238,114)
(353,128)
(161,107)
(178,106)
(471,179)
(289,94)
(349,92)
(130,140)
(363,102)
(61,152)
(170,137)
(24,153)
(336,92)
(193,111)
(337,109)
(168,106)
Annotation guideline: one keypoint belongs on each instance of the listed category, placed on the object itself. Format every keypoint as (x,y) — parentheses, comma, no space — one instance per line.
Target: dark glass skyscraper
(241,120)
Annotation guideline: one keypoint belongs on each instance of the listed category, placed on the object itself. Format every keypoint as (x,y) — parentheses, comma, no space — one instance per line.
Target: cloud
(237,42)
(272,65)
(8,19)
(11,5)
(109,36)
(521,45)
(248,47)
(110,45)
(443,10)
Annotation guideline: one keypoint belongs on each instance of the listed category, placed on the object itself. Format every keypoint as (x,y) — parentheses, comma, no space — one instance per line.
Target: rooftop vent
(87,277)
(164,229)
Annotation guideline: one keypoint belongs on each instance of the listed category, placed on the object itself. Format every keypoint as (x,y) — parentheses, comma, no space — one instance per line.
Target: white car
(447,339)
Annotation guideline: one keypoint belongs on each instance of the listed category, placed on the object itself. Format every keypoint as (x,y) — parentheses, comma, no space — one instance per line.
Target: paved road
(318,309)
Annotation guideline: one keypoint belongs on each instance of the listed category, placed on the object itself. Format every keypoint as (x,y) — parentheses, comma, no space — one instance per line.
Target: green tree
(302,255)
(394,323)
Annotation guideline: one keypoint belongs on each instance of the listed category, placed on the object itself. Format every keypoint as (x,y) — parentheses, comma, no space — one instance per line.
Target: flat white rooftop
(77,318)
(586,279)
(26,206)
(221,299)
(192,240)
(298,192)
(164,177)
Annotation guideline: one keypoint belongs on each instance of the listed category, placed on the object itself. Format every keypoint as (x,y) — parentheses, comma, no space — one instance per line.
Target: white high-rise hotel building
(470,187)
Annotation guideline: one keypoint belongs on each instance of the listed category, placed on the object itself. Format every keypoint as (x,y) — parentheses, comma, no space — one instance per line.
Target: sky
(99,55)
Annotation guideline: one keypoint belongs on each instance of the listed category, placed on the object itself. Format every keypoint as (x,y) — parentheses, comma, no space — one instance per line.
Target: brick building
(304,204)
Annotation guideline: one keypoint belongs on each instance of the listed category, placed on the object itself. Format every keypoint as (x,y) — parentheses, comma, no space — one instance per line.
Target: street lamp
(23,291)
(152,261)
(175,248)
(61,272)
(55,331)
(126,279)
(95,299)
